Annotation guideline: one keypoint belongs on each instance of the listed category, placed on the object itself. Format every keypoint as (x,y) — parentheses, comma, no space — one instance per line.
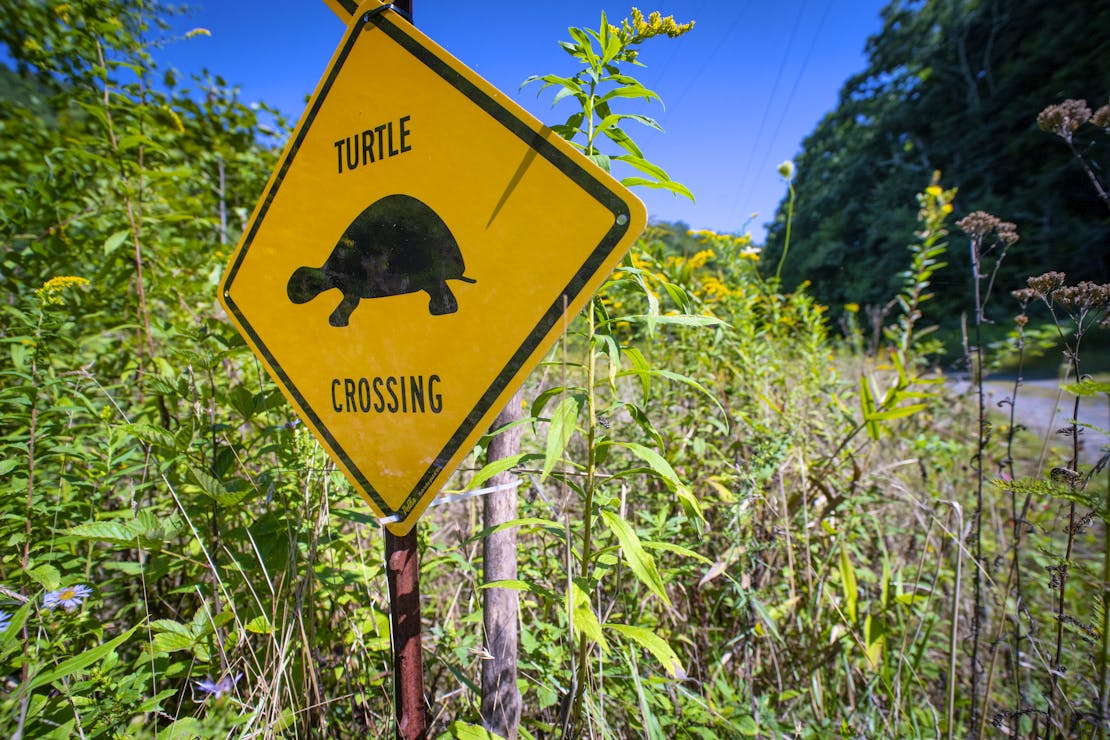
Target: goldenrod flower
(699,259)
(49,291)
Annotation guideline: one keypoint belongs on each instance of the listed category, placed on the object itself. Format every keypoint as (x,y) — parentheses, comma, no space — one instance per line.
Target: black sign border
(391,24)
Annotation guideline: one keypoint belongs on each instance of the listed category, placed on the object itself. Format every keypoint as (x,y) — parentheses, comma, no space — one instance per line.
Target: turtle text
(373,145)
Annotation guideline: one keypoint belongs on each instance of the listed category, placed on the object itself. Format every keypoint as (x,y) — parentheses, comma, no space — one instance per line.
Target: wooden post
(500,696)
(403,577)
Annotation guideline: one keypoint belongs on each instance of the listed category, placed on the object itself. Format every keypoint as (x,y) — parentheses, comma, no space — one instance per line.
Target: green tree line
(955,86)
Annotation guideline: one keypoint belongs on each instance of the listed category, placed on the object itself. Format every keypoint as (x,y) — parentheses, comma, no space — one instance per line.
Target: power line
(767,108)
(709,58)
(789,99)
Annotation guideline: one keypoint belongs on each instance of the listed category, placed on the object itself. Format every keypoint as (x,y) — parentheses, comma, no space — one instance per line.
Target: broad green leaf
(171,625)
(585,46)
(897,412)
(15,626)
(867,405)
(113,242)
(671,185)
(113,532)
(260,625)
(563,421)
(644,422)
(641,563)
(654,460)
(617,135)
(168,642)
(491,469)
(630,91)
(645,120)
(1087,387)
(655,645)
(645,166)
(748,726)
(80,662)
(676,549)
(217,491)
(585,621)
(874,639)
(601,160)
(687,380)
(519,585)
(851,590)
(466,731)
(46,576)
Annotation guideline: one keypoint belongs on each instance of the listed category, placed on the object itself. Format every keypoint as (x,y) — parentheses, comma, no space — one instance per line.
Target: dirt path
(1043,409)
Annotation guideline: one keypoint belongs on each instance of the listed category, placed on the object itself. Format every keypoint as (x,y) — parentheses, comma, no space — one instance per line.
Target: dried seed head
(1086,296)
(1045,284)
(1021,320)
(1083,522)
(1068,477)
(1024,296)
(1101,118)
(978,224)
(1007,233)
(1064,118)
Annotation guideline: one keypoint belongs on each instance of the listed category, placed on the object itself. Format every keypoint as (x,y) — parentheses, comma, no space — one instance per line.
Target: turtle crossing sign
(414,255)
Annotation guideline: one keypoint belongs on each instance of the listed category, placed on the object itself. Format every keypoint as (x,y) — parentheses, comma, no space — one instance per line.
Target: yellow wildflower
(699,259)
(655,25)
(851,307)
(49,291)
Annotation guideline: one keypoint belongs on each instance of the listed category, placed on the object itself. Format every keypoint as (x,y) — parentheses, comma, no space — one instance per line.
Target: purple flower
(216,689)
(69,598)
(5,620)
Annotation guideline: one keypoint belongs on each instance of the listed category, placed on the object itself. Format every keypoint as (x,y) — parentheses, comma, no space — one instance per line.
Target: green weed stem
(953,640)
(587,533)
(786,239)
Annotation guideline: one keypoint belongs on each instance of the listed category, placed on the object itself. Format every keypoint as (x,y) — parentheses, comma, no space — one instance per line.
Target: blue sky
(740,91)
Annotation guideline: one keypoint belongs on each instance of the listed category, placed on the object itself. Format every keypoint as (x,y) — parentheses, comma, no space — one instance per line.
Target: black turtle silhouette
(397,245)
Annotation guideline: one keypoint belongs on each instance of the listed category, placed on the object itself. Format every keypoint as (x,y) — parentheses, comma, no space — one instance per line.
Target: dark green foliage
(955,86)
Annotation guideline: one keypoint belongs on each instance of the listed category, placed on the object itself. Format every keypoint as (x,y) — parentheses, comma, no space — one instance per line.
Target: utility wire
(786,108)
(770,100)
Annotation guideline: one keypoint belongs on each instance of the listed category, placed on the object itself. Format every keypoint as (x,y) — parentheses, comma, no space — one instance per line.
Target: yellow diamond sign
(413,257)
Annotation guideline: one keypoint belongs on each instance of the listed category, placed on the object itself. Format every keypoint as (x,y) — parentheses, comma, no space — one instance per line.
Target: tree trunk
(500,696)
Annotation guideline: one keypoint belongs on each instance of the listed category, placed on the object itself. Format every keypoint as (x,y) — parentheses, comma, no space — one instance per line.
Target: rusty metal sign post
(403,575)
